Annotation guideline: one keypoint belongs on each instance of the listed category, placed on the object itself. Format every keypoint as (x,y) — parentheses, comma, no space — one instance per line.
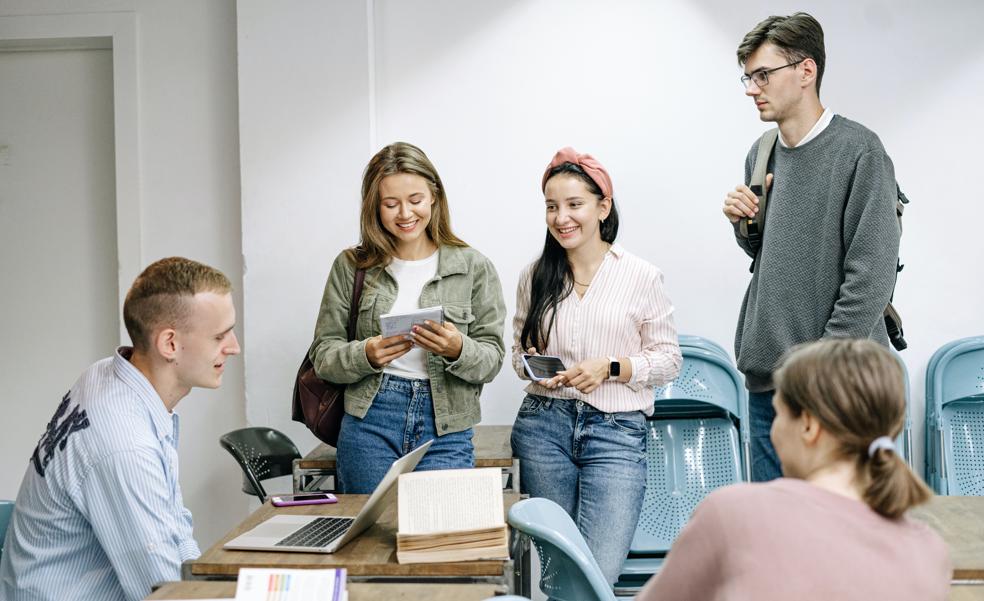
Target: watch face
(615,368)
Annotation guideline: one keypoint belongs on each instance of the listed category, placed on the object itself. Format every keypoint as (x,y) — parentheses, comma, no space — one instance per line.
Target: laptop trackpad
(280,526)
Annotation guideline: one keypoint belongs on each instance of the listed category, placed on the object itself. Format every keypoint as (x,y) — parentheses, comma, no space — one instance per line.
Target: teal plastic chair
(697,441)
(568,570)
(955,418)
(6,510)
(262,453)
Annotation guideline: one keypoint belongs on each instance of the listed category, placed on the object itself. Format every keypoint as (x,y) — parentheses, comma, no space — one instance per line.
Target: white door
(58,262)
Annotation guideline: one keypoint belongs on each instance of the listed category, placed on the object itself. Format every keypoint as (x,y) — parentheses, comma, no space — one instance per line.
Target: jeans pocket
(631,422)
(533,405)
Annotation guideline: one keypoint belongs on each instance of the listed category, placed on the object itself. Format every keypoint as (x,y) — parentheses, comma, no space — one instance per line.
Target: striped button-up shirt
(99,515)
(624,313)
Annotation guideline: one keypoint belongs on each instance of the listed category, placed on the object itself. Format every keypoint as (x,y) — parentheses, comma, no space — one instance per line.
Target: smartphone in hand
(303,499)
(542,367)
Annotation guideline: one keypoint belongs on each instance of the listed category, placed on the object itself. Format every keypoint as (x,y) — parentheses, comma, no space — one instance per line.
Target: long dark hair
(552,279)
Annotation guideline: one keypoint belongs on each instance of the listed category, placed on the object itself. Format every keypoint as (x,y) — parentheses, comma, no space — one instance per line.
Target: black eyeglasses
(761,77)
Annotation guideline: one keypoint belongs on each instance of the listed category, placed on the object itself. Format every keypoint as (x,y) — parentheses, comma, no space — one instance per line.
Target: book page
(450,500)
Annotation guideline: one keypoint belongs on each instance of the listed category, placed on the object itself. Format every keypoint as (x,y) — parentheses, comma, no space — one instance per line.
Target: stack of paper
(451,515)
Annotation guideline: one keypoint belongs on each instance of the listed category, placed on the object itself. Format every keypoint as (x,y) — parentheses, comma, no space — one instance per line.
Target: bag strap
(360,279)
(752,228)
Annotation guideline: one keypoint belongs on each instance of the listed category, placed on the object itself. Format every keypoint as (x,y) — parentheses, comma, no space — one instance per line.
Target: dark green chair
(262,453)
(6,509)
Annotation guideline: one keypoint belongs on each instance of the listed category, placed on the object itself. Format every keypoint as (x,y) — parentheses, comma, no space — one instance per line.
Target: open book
(451,515)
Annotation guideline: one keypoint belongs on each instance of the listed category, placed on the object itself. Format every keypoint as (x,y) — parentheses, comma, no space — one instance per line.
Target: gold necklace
(580,284)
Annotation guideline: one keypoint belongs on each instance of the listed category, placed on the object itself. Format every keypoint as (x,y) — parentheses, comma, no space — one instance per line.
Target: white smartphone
(542,367)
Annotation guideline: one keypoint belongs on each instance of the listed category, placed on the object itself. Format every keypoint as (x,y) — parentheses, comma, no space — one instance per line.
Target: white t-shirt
(411,277)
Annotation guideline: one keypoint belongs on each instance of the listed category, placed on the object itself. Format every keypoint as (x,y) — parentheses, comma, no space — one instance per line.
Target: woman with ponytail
(580,435)
(835,527)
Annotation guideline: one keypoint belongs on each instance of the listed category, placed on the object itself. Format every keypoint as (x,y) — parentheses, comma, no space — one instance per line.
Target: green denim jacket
(468,288)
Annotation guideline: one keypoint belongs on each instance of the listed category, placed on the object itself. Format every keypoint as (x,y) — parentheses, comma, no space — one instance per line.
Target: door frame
(115,31)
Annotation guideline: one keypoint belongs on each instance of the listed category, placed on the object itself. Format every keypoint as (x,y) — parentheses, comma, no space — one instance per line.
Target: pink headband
(595,170)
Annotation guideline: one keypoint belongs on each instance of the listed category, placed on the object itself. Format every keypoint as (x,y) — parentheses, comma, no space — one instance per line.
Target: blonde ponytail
(856,390)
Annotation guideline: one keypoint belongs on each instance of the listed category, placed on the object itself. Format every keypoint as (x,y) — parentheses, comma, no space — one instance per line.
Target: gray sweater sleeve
(871,248)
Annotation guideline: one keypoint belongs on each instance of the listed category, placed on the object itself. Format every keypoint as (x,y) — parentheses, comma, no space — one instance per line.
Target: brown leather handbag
(318,403)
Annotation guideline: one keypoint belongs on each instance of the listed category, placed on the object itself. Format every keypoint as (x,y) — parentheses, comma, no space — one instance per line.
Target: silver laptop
(326,534)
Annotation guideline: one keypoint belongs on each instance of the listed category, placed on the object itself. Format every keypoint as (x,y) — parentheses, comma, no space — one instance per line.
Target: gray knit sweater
(827,263)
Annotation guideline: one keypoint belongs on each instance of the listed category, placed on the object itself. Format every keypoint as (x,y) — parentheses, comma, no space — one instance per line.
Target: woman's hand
(380,351)
(443,340)
(586,376)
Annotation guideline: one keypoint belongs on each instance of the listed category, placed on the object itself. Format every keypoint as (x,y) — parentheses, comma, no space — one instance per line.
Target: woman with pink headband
(580,435)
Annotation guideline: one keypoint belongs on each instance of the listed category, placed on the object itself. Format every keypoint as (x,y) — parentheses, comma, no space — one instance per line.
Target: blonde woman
(404,391)
(835,527)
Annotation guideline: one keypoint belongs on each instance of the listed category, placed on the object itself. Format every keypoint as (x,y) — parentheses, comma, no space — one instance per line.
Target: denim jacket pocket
(459,316)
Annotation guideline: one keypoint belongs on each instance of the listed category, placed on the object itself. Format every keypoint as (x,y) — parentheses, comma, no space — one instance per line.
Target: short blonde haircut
(159,296)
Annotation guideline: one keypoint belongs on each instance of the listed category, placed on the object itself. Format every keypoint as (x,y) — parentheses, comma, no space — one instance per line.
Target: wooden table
(960,521)
(370,557)
(358,591)
(492,449)
(967,592)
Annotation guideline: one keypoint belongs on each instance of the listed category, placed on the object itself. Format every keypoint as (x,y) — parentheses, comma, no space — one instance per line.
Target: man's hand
(380,351)
(443,340)
(742,202)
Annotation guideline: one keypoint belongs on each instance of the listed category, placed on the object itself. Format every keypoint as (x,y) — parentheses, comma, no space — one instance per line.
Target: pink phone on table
(314,498)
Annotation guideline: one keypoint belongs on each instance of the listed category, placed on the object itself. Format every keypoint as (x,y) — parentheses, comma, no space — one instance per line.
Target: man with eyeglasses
(826,263)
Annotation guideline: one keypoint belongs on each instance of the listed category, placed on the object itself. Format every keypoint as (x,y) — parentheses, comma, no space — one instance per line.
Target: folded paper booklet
(263,584)
(391,324)
(451,515)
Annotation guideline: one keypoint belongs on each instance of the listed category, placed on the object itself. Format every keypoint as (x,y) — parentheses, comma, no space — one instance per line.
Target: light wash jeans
(591,463)
(400,419)
(765,461)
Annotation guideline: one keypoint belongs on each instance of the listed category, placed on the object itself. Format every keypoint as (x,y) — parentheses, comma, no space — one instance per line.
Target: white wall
(189,197)
(491,90)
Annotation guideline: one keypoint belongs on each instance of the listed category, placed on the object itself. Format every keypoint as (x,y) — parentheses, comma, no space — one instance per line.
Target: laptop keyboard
(318,533)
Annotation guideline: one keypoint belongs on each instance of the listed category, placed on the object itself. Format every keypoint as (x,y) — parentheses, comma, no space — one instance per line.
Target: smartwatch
(614,367)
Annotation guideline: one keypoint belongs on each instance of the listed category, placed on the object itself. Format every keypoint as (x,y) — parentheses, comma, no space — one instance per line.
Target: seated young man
(99,514)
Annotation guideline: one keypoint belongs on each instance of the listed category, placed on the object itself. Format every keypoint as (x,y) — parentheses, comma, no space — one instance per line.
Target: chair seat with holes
(697,441)
(955,418)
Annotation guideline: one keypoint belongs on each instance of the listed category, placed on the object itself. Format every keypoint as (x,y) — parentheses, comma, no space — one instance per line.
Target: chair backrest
(568,570)
(702,343)
(955,418)
(6,510)
(686,460)
(694,445)
(261,453)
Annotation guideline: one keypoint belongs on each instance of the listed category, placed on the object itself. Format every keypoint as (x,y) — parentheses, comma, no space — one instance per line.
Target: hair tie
(590,165)
(882,442)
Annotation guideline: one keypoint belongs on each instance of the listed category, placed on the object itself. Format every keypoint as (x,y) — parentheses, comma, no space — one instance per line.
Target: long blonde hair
(856,390)
(377,246)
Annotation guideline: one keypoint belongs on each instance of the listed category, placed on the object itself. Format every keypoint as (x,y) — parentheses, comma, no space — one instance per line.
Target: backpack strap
(360,279)
(753,228)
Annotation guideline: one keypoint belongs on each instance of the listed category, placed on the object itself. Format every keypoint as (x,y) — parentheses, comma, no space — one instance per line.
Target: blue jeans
(765,462)
(591,463)
(400,419)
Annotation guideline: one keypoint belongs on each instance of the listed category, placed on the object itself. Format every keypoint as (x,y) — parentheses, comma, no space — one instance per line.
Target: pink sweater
(789,539)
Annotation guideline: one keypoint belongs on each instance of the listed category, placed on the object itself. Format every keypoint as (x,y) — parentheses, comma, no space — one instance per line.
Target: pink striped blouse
(624,313)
